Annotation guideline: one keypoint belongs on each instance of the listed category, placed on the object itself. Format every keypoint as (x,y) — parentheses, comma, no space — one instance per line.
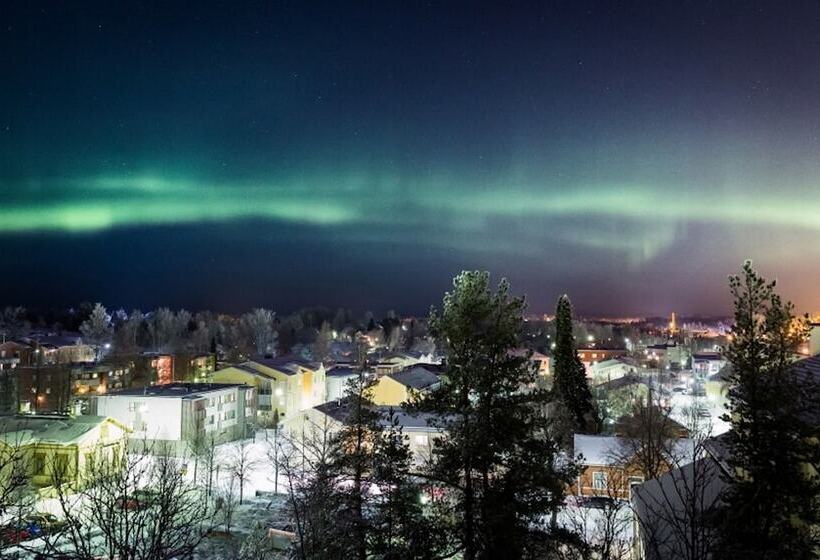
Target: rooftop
(339,410)
(415,377)
(606,450)
(175,390)
(286,364)
(23,429)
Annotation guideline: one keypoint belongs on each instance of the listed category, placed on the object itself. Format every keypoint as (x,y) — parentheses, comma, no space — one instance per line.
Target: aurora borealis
(215,156)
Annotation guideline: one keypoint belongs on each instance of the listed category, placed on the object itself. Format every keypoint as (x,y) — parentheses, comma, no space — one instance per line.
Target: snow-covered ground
(683,404)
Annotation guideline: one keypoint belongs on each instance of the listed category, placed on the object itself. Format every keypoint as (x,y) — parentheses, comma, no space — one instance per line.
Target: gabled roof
(23,429)
(288,365)
(340,409)
(341,371)
(606,450)
(416,377)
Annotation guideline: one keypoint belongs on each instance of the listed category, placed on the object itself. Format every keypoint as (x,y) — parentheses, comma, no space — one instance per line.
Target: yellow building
(396,388)
(285,384)
(43,446)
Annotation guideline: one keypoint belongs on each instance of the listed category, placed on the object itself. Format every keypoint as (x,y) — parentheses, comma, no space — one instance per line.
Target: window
(599,480)
(421,440)
(39,463)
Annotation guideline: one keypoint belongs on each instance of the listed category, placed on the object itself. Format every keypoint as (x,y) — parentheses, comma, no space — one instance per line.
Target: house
(337,379)
(55,446)
(540,361)
(59,348)
(666,355)
(397,388)
(285,385)
(13,354)
(606,468)
(665,508)
(591,356)
(609,370)
(618,397)
(705,364)
(173,417)
(415,428)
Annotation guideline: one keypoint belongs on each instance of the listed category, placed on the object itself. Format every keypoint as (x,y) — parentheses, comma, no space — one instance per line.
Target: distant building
(60,445)
(14,354)
(814,339)
(610,370)
(337,379)
(592,356)
(403,386)
(705,364)
(176,415)
(667,356)
(286,384)
(415,427)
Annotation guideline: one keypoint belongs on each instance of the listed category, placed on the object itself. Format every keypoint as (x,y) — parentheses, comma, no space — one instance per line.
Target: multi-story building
(285,385)
(176,417)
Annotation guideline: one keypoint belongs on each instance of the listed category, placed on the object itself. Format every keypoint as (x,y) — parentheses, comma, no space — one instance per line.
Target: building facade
(179,416)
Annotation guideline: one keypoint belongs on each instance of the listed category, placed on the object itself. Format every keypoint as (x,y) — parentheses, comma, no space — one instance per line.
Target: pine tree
(497,462)
(570,381)
(772,502)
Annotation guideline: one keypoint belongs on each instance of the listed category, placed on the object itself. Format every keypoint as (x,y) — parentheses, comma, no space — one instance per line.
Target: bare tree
(674,513)
(13,472)
(128,506)
(240,464)
(258,323)
(603,522)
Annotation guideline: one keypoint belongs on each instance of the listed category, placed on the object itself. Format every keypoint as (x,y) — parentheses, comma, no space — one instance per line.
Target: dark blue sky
(218,155)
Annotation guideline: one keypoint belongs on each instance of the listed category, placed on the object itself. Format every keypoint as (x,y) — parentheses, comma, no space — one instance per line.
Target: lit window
(599,480)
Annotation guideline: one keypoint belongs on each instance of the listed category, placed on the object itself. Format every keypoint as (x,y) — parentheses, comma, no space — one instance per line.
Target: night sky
(287,154)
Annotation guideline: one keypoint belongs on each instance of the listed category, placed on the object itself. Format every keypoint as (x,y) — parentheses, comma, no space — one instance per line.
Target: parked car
(596,502)
(139,499)
(13,534)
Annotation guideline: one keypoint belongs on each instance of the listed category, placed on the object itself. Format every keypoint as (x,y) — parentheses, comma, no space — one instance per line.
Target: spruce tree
(570,380)
(496,461)
(772,505)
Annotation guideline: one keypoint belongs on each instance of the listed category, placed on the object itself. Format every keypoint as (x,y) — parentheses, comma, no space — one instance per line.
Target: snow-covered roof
(606,450)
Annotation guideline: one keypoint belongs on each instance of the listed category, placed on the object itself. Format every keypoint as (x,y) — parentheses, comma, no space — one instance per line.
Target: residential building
(591,356)
(415,428)
(814,339)
(286,385)
(667,355)
(88,380)
(13,354)
(610,370)
(337,379)
(400,387)
(608,471)
(541,361)
(175,416)
(59,348)
(705,364)
(58,445)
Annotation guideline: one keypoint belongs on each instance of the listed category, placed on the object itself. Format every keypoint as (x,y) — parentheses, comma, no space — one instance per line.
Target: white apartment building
(176,416)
